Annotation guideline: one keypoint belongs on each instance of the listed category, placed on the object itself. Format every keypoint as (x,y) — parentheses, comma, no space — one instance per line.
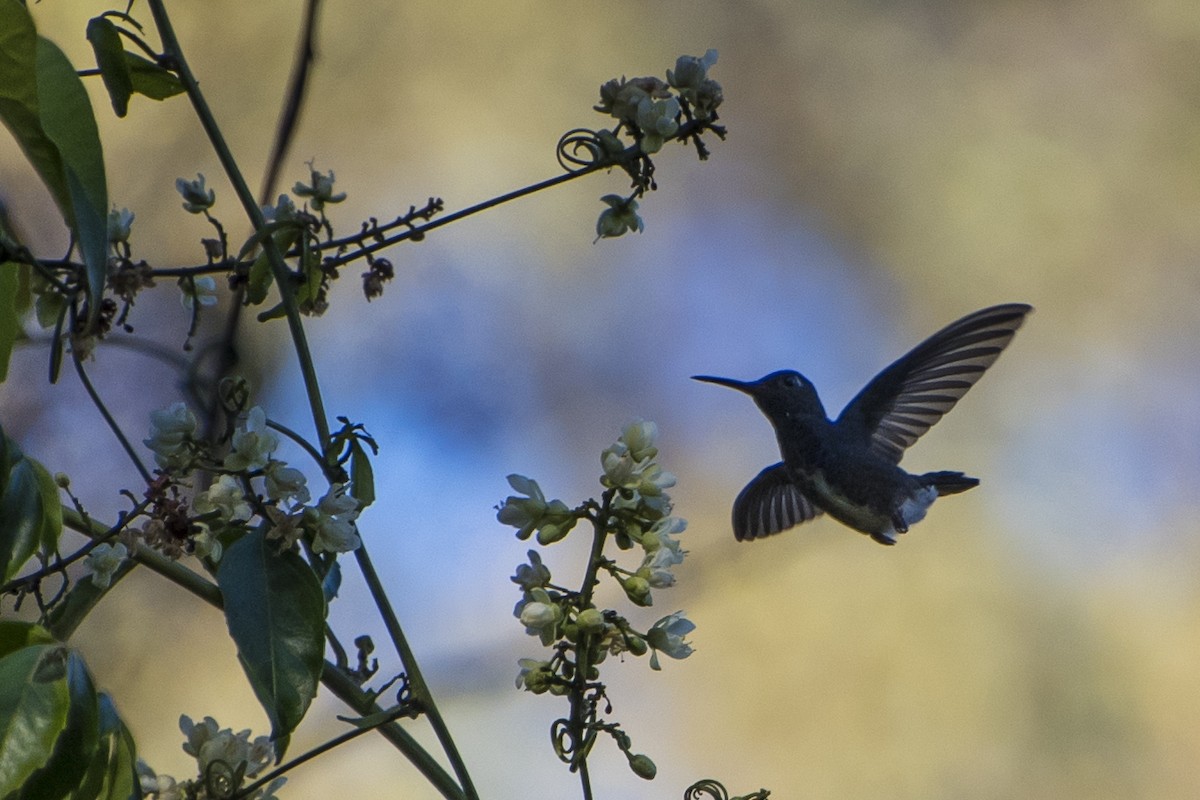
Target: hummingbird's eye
(792,380)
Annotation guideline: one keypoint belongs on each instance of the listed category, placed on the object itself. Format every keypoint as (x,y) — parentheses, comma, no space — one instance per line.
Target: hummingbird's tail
(949,482)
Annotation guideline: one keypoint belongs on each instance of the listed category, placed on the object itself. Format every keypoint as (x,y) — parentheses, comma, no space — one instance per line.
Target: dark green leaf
(67,120)
(21,519)
(76,745)
(261,276)
(362,476)
(32,714)
(112,774)
(15,635)
(150,79)
(276,615)
(51,509)
(19,106)
(10,323)
(110,58)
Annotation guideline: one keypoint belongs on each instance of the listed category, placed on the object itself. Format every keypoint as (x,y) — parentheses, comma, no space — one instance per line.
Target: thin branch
(297,86)
(416,681)
(108,418)
(174,55)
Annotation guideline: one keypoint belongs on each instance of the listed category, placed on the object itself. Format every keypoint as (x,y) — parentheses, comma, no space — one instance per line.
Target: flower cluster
(633,510)
(250,483)
(224,759)
(653,111)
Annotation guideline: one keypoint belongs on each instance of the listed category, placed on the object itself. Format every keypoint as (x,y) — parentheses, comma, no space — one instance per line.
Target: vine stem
(416,681)
(418,230)
(174,53)
(108,418)
(583,660)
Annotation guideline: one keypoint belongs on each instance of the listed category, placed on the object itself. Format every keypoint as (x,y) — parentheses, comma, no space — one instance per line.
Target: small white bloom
(691,71)
(285,209)
(206,545)
(253,443)
(170,430)
(619,218)
(659,120)
(332,522)
(120,223)
(196,197)
(103,562)
(227,497)
(639,437)
(200,291)
(286,485)
(666,636)
(321,190)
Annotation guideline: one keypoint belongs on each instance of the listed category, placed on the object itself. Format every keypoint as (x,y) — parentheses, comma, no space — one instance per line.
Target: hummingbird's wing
(769,504)
(908,397)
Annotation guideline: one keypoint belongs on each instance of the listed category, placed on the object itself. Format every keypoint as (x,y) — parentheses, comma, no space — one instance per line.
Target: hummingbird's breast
(845,478)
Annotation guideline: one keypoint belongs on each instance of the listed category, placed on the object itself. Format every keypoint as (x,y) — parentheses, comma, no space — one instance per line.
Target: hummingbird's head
(780,395)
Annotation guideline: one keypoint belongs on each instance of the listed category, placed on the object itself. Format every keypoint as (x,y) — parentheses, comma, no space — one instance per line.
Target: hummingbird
(849,467)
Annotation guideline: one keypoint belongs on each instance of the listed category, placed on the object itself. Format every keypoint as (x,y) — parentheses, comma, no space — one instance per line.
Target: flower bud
(642,766)
(590,620)
(637,589)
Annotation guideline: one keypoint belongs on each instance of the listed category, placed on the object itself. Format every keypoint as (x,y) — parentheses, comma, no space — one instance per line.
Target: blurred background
(889,168)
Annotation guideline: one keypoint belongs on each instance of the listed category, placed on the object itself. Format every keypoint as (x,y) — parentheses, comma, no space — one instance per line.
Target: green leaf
(362,475)
(150,79)
(52,520)
(19,107)
(261,277)
(44,105)
(10,323)
(110,58)
(76,745)
(33,712)
(276,615)
(20,519)
(112,774)
(15,635)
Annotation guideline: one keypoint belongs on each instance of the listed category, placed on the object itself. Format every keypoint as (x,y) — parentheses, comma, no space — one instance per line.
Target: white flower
(227,498)
(332,522)
(532,575)
(658,120)
(535,616)
(321,190)
(640,436)
(619,218)
(103,562)
(691,71)
(283,210)
(158,787)
(196,198)
(205,544)
(253,443)
(209,743)
(656,567)
(666,636)
(119,225)
(198,291)
(534,675)
(170,431)
(286,485)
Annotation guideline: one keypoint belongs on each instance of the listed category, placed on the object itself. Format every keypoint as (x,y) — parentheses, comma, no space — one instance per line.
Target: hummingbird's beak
(741,386)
